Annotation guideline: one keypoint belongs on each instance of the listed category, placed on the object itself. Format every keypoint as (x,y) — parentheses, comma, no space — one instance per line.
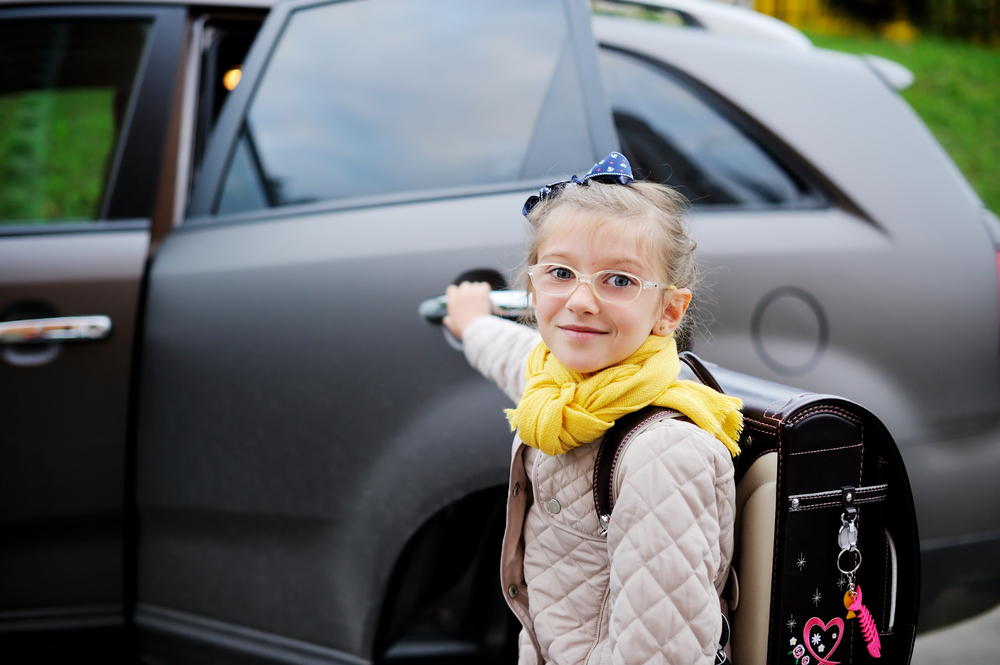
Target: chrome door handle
(55,329)
(508,304)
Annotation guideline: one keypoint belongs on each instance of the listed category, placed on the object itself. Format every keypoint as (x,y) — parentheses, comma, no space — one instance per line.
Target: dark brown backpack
(820,489)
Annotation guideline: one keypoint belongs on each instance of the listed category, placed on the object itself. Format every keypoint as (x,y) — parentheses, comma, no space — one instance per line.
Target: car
(228,435)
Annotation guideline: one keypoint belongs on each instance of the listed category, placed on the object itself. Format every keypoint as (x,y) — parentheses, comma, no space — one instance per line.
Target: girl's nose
(583,300)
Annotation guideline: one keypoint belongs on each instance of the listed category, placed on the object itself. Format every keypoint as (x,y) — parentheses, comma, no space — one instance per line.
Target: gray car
(228,436)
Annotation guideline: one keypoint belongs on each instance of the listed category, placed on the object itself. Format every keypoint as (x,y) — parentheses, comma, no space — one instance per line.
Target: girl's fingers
(466,303)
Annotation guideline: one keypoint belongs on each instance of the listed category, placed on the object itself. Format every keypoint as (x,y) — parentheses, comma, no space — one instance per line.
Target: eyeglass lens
(610,285)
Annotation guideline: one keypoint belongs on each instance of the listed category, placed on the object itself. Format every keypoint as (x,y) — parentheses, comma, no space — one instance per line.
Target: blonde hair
(647,212)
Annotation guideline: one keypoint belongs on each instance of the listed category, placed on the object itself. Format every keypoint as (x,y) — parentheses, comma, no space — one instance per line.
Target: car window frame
(128,198)
(820,189)
(222,144)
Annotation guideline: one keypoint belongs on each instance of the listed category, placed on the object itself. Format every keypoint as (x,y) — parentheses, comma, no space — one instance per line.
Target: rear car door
(298,420)
(84,103)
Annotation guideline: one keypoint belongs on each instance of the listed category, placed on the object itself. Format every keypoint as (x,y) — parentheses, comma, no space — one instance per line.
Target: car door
(299,421)
(84,99)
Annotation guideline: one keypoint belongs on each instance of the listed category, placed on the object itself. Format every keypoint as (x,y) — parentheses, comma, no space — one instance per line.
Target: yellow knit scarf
(562,409)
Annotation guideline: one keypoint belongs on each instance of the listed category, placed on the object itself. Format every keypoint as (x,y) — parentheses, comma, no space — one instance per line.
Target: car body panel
(284,474)
(66,440)
(64,423)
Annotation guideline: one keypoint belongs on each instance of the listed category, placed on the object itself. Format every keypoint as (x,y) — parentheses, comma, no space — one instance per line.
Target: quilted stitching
(569,479)
(526,654)
(566,563)
(664,541)
(675,505)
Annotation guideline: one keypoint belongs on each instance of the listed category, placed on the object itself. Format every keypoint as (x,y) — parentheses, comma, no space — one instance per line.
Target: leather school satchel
(826,564)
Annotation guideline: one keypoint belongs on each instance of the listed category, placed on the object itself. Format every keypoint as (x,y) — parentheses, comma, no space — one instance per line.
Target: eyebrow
(615,262)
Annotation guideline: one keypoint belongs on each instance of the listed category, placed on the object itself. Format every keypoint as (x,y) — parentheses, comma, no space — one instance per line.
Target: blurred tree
(977,20)
(873,13)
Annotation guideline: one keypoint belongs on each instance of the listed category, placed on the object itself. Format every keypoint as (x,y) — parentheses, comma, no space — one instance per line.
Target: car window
(670,134)
(225,43)
(371,97)
(65,87)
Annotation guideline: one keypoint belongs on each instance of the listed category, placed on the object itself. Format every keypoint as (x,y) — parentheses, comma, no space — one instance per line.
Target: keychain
(847,539)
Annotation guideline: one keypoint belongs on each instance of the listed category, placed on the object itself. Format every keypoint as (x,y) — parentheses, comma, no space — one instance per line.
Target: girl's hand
(466,303)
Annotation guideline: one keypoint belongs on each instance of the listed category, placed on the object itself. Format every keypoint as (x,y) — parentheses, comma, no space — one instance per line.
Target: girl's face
(587,334)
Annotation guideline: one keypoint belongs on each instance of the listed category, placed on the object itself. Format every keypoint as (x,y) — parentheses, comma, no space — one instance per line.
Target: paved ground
(975,640)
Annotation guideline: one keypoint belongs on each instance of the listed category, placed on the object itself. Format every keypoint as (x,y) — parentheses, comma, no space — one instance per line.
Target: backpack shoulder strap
(615,442)
(613,446)
(617,438)
(700,370)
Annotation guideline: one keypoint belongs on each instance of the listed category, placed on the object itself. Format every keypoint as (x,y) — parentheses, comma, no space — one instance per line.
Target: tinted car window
(376,96)
(65,87)
(671,135)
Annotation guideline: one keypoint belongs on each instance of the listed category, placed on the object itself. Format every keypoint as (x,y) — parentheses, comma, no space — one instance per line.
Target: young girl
(609,270)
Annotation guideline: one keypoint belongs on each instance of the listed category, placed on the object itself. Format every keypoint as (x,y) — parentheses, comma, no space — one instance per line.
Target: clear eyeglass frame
(592,281)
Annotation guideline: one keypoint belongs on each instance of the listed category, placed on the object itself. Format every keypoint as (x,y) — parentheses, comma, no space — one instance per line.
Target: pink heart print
(816,622)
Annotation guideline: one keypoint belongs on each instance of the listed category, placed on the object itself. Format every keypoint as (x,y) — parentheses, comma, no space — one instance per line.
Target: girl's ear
(673,310)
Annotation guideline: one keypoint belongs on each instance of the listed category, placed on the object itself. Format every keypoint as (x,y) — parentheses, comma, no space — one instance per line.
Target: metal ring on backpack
(852,570)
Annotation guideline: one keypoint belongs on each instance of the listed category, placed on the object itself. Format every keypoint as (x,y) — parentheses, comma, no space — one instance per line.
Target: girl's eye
(620,281)
(559,272)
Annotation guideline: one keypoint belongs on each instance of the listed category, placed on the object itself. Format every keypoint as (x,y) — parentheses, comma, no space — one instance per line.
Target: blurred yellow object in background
(900,31)
(231,79)
(817,15)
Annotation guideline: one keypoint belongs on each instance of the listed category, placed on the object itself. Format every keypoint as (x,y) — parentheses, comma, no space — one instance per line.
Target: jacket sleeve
(499,350)
(670,542)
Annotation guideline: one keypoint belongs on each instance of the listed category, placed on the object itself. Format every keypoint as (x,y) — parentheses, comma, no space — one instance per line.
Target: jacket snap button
(553,506)
(512,591)
(517,488)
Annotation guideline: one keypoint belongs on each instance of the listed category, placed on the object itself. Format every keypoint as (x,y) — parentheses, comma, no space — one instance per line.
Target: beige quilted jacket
(648,591)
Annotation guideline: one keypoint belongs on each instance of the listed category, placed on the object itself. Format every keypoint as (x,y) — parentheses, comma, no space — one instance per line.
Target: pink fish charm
(853,603)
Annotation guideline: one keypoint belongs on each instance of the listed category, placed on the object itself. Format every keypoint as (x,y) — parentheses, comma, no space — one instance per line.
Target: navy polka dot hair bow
(612,170)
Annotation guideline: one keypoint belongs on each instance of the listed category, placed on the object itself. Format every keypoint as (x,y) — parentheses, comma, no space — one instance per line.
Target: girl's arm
(670,542)
(497,348)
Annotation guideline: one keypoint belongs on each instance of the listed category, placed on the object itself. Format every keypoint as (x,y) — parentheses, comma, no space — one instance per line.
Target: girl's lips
(581,332)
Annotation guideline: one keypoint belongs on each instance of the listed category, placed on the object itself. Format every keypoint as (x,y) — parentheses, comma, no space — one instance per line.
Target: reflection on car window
(370,97)
(64,92)
(670,135)
(246,189)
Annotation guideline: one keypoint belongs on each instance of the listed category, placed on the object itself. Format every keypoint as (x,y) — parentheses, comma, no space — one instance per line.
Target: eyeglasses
(613,286)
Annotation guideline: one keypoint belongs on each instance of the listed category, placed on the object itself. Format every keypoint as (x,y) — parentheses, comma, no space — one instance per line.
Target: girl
(609,271)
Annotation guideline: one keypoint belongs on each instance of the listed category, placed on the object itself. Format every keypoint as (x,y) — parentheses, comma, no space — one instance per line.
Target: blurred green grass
(54,152)
(956,92)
